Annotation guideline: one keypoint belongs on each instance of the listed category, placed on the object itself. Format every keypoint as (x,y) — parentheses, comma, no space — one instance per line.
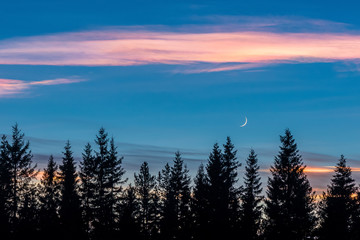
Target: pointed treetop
(342,182)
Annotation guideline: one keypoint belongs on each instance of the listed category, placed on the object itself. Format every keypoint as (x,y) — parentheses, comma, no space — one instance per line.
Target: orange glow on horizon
(326,169)
(319,169)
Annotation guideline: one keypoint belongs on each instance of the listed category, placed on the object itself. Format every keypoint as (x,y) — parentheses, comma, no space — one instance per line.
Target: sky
(162,76)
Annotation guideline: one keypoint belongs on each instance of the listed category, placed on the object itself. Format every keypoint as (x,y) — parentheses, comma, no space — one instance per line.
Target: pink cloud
(10,87)
(209,69)
(56,81)
(140,47)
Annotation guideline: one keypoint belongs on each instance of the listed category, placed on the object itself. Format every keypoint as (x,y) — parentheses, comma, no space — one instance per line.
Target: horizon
(157,156)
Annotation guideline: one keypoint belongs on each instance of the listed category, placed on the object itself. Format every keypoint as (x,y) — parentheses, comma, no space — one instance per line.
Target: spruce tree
(200,205)
(145,185)
(105,178)
(289,203)
(169,221)
(251,199)
(355,223)
(339,204)
(176,211)
(167,212)
(101,206)
(22,172)
(49,199)
(222,193)
(114,179)
(164,178)
(70,211)
(87,186)
(5,181)
(28,220)
(231,191)
(180,185)
(217,195)
(156,210)
(128,224)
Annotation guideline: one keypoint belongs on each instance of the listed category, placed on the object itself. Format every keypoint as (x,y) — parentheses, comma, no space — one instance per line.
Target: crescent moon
(244,123)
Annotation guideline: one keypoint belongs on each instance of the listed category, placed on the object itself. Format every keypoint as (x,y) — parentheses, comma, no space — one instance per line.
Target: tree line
(92,200)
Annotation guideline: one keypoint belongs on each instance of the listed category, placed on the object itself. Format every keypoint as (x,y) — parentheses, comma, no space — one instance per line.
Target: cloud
(10,87)
(271,23)
(56,81)
(223,67)
(134,154)
(237,49)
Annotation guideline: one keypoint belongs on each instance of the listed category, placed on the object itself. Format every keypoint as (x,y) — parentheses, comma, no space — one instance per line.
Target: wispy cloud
(11,87)
(236,49)
(272,23)
(220,68)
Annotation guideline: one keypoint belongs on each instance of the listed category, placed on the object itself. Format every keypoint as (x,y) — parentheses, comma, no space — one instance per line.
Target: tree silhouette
(289,203)
(217,199)
(5,180)
(180,185)
(70,209)
(251,199)
(355,223)
(222,193)
(338,204)
(104,175)
(128,224)
(49,199)
(28,214)
(21,171)
(87,187)
(114,173)
(231,192)
(91,204)
(176,210)
(101,205)
(200,205)
(165,205)
(145,185)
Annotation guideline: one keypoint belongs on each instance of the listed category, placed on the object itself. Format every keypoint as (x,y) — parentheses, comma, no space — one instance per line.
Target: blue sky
(170,75)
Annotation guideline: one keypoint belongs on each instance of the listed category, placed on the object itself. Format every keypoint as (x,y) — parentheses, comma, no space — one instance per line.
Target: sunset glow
(126,48)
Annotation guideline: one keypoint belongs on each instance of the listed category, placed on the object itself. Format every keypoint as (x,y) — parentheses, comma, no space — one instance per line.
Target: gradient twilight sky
(168,75)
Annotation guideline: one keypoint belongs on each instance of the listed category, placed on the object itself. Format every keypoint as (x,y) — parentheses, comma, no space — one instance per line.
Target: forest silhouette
(92,199)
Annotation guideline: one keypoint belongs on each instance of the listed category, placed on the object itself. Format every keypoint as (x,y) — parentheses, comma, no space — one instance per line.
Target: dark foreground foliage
(92,200)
